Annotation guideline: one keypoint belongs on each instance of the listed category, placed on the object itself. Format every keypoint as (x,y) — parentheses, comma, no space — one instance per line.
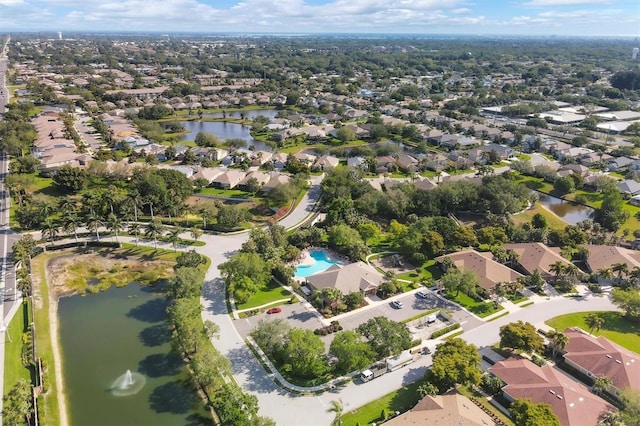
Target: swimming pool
(321,263)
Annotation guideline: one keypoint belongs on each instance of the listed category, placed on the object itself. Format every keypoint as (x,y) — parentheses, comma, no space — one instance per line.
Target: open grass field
(616,327)
(270,293)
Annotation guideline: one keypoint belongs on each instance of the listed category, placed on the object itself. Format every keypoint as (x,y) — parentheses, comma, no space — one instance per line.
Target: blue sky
(522,17)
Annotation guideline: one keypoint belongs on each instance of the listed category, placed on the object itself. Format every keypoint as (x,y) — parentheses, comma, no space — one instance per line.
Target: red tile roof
(571,401)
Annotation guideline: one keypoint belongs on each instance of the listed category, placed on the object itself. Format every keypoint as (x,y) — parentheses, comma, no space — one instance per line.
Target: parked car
(397,304)
(275,310)
(421,294)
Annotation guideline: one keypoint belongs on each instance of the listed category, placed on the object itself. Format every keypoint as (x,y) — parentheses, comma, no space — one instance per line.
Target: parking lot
(303,315)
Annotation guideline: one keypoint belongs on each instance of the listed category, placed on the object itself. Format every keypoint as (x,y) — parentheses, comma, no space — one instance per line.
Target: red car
(275,310)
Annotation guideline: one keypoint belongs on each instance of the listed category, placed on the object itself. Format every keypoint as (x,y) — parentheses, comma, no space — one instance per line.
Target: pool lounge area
(315,261)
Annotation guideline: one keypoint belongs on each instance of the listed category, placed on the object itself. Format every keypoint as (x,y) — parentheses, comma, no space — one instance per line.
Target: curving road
(290,409)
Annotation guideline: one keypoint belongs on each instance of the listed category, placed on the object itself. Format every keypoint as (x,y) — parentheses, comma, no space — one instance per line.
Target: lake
(248,114)
(104,335)
(565,210)
(223,131)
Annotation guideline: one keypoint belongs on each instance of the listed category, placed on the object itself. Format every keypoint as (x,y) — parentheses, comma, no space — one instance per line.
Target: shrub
(445,330)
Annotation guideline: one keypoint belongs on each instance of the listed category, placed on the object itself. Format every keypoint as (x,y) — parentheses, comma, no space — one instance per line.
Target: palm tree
(25,285)
(67,204)
(557,268)
(605,273)
(621,269)
(558,341)
(572,271)
(594,321)
(49,229)
(337,408)
(154,229)
(114,224)
(134,228)
(94,222)
(174,237)
(70,223)
(634,277)
(135,201)
(196,233)
(204,213)
(601,384)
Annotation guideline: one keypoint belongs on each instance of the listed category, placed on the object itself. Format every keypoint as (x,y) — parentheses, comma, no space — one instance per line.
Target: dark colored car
(275,310)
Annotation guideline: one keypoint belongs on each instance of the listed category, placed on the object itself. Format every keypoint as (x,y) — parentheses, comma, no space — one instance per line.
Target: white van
(366,375)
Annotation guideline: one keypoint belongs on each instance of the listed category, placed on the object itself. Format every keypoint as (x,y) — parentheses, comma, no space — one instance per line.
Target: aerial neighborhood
(348,231)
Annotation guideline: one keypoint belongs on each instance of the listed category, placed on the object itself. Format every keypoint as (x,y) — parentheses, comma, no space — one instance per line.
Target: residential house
(228,179)
(261,177)
(488,271)
(258,158)
(450,408)
(326,162)
(537,256)
(619,163)
(433,135)
(571,401)
(280,160)
(276,180)
(208,173)
(600,357)
(603,257)
(573,169)
(629,187)
(407,163)
(351,278)
(424,184)
(358,163)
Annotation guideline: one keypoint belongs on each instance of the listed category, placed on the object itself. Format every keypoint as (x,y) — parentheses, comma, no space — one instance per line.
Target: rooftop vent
(618,361)
(551,391)
(559,396)
(609,356)
(572,404)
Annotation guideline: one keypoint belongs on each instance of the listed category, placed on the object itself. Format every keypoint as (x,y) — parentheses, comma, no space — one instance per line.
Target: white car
(421,294)
(397,304)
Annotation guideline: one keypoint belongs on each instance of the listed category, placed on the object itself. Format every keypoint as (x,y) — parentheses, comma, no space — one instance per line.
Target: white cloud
(10,3)
(547,3)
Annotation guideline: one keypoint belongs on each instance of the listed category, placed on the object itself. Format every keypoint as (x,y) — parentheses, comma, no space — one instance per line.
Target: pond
(565,210)
(118,367)
(223,131)
(248,114)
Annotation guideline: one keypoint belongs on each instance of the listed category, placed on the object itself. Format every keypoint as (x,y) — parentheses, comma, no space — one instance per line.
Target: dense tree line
(191,339)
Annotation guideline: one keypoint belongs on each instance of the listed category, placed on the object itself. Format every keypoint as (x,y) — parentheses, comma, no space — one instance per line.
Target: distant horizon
(54,34)
(610,18)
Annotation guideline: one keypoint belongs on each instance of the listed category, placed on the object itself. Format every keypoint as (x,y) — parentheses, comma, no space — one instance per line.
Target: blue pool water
(322,263)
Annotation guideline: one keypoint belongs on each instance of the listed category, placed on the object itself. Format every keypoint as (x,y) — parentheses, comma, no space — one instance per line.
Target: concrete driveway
(296,315)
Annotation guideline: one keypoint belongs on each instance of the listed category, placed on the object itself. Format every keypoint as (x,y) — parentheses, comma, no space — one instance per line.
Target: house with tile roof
(488,271)
(602,257)
(571,401)
(600,357)
(351,278)
(532,256)
(450,408)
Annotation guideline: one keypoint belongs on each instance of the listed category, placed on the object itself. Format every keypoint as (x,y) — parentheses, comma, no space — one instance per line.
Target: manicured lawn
(553,221)
(236,193)
(517,298)
(400,400)
(13,368)
(428,270)
(270,293)
(615,328)
(481,309)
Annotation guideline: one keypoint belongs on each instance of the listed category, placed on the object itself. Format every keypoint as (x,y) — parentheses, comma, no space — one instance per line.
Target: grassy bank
(14,370)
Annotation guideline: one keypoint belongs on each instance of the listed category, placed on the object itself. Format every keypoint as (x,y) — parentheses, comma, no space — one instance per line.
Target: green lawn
(553,221)
(481,309)
(13,368)
(616,327)
(270,293)
(400,400)
(236,193)
(429,270)
(517,298)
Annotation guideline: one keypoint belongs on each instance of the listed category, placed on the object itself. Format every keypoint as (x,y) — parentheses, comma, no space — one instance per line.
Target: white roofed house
(326,162)
(208,173)
(351,278)
(261,178)
(276,180)
(229,179)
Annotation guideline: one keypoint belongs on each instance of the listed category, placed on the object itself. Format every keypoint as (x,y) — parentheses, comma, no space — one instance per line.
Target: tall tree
(352,352)
(526,413)
(336,408)
(594,322)
(520,335)
(385,337)
(154,229)
(557,341)
(455,362)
